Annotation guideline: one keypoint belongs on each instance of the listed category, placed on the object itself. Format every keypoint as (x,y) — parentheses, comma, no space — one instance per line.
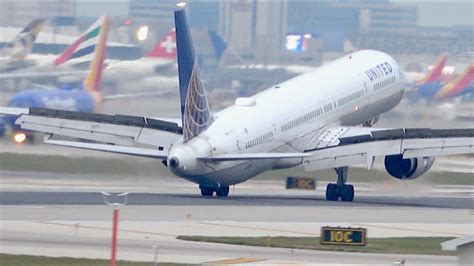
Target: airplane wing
(346,146)
(120,133)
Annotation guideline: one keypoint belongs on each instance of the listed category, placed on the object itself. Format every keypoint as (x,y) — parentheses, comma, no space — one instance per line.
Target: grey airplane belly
(372,110)
(239,173)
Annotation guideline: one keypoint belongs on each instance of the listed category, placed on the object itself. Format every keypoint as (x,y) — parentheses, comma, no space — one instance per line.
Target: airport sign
(294,182)
(343,236)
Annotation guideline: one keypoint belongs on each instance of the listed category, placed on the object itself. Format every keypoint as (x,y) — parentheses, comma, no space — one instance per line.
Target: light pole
(121,199)
(155,255)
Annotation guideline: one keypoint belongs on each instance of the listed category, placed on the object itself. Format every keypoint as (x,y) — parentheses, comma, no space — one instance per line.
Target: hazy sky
(90,8)
(443,13)
(431,13)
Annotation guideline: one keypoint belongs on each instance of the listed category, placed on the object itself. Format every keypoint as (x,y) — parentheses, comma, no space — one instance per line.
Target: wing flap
(437,147)
(116,134)
(360,146)
(143,152)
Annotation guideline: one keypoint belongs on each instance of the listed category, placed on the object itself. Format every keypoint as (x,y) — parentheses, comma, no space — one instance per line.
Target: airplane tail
(224,54)
(166,48)
(435,73)
(82,49)
(22,44)
(458,85)
(195,112)
(92,81)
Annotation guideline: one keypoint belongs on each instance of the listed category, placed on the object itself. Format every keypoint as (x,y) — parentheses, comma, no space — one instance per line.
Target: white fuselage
(131,70)
(288,116)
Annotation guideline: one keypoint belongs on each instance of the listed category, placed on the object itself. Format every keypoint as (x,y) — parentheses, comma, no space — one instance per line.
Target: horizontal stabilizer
(143,152)
(254,156)
(121,130)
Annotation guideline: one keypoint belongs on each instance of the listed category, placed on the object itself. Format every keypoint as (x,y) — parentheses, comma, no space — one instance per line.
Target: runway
(184,199)
(51,214)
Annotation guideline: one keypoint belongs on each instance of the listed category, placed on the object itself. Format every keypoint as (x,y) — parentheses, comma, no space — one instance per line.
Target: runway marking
(258,228)
(412,230)
(23,206)
(234,261)
(107,229)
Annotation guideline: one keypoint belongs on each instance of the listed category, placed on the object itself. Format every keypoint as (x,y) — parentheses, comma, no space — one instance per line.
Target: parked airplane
(160,60)
(309,120)
(458,86)
(433,88)
(85,99)
(71,62)
(14,55)
(432,76)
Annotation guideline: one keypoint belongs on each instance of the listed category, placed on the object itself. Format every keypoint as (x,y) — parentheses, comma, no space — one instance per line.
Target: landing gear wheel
(206,191)
(222,191)
(347,193)
(332,192)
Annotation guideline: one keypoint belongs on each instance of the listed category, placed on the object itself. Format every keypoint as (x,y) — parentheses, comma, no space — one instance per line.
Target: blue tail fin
(218,44)
(195,112)
(224,54)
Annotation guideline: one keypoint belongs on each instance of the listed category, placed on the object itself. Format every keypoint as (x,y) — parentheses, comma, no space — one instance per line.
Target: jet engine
(411,168)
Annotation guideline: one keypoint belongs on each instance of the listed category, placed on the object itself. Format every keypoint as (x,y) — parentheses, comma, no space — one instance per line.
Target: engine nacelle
(411,168)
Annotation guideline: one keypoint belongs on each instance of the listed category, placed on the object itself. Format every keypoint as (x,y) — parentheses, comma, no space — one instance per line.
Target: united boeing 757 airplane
(310,120)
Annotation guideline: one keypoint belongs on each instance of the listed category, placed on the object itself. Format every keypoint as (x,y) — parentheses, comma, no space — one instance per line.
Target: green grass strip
(397,245)
(27,260)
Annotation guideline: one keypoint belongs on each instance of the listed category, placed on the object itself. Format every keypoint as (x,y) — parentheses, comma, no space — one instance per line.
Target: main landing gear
(340,190)
(222,191)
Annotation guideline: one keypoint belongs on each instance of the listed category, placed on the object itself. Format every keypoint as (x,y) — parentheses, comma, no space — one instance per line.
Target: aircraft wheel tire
(347,193)
(332,192)
(207,191)
(222,191)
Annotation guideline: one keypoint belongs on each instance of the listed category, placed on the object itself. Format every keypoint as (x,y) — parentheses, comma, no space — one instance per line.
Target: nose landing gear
(341,189)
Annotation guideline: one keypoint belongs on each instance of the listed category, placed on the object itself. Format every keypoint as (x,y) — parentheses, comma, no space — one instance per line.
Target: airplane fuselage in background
(69,100)
(426,91)
(288,116)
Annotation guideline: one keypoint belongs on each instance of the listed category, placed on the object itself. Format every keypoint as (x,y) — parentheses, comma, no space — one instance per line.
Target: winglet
(435,73)
(195,111)
(84,45)
(457,85)
(166,48)
(22,44)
